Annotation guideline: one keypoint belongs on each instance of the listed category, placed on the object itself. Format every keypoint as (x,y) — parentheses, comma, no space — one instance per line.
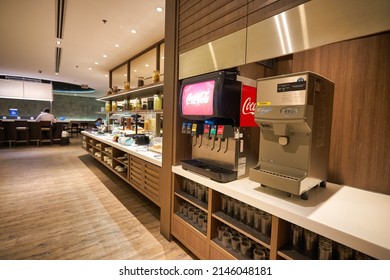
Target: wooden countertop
(356,218)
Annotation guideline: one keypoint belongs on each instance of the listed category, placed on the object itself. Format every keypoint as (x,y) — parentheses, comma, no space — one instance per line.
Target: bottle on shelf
(114,106)
(108,106)
(157,102)
(156,76)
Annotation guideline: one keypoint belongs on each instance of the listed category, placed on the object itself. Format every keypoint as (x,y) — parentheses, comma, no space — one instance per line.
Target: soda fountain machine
(294,113)
(221,149)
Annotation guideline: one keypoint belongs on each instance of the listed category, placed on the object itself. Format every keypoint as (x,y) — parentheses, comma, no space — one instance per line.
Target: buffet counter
(134,164)
(141,151)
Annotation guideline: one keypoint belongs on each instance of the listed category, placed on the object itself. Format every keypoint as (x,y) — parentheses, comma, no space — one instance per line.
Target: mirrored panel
(119,77)
(162,58)
(141,69)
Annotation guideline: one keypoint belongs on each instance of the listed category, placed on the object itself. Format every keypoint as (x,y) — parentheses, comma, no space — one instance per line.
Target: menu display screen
(198,99)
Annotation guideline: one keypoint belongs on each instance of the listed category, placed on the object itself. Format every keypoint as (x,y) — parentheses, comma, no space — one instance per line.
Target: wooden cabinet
(142,175)
(280,238)
(146,178)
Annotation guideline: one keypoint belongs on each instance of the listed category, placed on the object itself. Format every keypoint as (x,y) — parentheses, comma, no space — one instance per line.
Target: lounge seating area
(14,133)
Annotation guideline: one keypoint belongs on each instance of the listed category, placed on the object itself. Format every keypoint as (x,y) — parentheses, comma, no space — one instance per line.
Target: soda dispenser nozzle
(224,132)
(213,134)
(196,132)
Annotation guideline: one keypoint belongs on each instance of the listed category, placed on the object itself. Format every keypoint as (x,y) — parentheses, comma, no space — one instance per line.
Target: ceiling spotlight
(104,55)
(133,31)
(116,45)
(89,68)
(58,42)
(146,65)
(96,63)
(106,75)
(159,9)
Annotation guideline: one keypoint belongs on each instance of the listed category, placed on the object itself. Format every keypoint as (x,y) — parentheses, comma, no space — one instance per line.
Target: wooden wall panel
(360,69)
(259,10)
(209,20)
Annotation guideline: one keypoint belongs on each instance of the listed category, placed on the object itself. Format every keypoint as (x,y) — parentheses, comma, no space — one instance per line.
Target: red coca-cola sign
(248,106)
(198,99)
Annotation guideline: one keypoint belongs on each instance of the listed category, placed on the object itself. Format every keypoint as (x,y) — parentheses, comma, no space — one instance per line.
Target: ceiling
(90,30)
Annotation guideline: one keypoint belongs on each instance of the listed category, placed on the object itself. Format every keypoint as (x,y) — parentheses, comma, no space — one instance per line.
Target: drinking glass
(195,216)
(250,215)
(259,254)
(221,230)
(266,224)
(245,247)
(236,243)
(226,239)
(297,237)
(325,249)
(224,203)
(243,209)
(311,244)
(257,219)
(345,253)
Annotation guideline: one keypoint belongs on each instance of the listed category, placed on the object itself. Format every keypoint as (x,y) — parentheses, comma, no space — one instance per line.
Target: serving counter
(349,216)
(136,165)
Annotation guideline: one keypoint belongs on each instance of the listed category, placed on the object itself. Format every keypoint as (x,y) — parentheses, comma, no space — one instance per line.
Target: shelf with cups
(191,215)
(298,243)
(248,229)
(233,244)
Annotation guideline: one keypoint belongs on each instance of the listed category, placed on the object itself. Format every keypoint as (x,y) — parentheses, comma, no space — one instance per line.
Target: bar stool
(22,132)
(73,129)
(2,134)
(46,132)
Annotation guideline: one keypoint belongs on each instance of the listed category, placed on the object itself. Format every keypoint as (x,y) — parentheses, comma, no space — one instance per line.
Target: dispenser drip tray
(215,173)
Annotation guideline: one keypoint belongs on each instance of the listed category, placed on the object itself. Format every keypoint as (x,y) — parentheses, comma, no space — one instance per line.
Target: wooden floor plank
(59,203)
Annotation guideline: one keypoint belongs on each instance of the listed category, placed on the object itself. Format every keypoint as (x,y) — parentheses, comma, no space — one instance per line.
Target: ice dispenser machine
(294,113)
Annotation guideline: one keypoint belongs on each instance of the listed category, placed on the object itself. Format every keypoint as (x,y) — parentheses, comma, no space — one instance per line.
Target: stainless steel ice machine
(294,113)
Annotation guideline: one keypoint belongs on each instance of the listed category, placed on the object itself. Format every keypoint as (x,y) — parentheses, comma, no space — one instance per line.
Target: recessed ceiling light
(58,42)
(89,68)
(135,70)
(106,75)
(146,65)
(133,31)
(104,55)
(116,45)
(96,63)
(159,9)
(125,75)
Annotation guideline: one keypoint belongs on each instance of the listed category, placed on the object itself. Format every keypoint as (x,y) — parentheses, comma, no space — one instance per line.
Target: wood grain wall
(203,21)
(360,69)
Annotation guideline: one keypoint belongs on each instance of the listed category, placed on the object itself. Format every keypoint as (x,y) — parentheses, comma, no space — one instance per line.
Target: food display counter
(134,164)
(348,216)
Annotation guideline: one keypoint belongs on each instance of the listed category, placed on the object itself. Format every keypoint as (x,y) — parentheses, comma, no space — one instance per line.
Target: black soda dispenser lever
(213,134)
(223,133)
(197,131)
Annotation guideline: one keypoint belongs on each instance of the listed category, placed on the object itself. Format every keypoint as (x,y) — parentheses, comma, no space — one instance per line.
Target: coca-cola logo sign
(248,107)
(198,99)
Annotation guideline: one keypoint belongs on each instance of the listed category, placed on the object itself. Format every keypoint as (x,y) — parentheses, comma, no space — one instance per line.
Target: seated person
(98,122)
(46,116)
